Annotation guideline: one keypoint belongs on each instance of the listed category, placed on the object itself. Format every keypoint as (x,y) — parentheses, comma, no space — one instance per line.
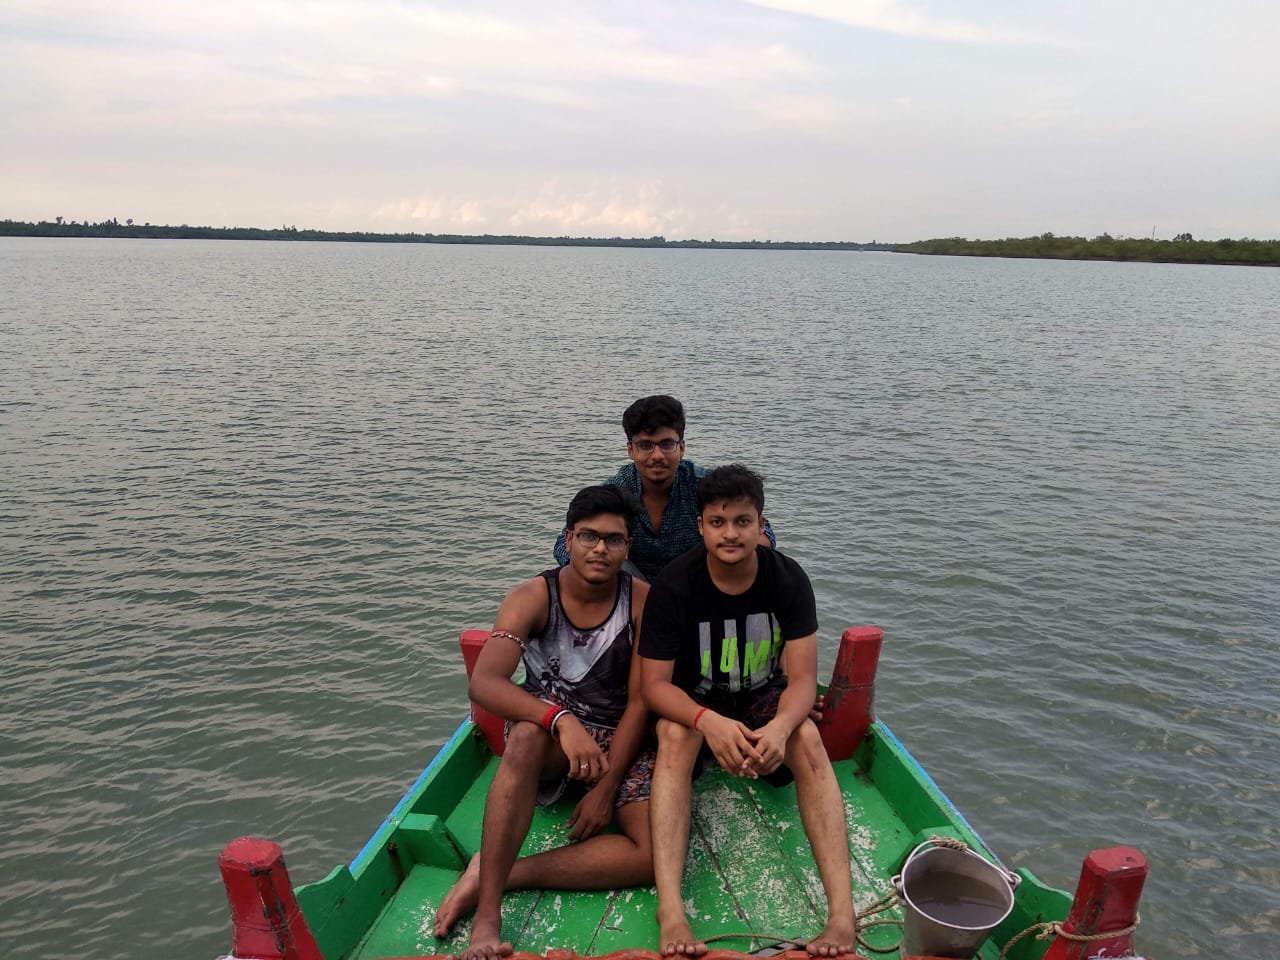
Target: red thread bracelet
(698,716)
(549,716)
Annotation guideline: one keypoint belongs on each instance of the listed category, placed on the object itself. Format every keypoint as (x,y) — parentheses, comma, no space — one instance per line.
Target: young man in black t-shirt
(729,660)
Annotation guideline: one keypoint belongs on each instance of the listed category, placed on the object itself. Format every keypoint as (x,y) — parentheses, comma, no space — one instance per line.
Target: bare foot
(460,900)
(676,939)
(486,941)
(836,939)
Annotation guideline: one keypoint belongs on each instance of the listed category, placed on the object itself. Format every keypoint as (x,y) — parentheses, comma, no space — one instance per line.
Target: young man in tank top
(729,662)
(578,718)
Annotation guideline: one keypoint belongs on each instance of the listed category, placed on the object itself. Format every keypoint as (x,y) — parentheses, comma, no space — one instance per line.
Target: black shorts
(755,710)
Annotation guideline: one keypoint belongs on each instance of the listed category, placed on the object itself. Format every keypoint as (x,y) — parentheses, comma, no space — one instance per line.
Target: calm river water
(250,493)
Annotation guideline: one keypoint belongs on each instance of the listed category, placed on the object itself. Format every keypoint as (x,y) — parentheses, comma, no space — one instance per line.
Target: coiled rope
(1043,931)
(1054,928)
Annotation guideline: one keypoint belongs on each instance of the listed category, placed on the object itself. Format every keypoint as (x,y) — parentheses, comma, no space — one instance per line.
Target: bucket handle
(1011,878)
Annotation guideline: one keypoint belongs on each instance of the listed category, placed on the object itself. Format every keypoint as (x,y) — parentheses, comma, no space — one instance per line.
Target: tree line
(1183,248)
(114,228)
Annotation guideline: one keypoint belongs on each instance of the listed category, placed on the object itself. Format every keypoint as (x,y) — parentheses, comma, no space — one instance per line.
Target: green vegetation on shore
(148,231)
(1181,249)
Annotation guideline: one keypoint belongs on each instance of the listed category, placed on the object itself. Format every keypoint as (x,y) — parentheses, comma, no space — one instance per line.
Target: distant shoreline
(148,231)
(1182,249)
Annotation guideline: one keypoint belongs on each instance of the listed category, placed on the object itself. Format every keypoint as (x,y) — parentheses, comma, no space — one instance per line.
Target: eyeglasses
(646,446)
(589,538)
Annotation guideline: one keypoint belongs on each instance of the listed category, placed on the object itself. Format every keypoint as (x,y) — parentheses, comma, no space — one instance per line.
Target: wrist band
(698,716)
(549,716)
(556,719)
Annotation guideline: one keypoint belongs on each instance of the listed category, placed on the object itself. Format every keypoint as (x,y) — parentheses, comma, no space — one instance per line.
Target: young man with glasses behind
(666,483)
(578,717)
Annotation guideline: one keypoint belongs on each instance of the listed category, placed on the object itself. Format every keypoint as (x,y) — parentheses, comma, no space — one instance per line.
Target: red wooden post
(266,922)
(1106,899)
(850,706)
(493,727)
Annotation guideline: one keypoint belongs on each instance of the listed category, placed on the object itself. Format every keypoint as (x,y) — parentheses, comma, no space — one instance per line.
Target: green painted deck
(750,867)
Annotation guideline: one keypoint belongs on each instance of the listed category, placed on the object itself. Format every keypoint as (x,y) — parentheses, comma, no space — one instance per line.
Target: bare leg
(822,812)
(670,813)
(507,813)
(598,863)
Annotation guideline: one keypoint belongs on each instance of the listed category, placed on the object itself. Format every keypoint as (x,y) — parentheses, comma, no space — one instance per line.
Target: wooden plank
(404,928)
(763,856)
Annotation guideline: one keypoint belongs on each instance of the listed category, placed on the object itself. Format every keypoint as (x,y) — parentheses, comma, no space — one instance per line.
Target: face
(598,561)
(731,529)
(653,465)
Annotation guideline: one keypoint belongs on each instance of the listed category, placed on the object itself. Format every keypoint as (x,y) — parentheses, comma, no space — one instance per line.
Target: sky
(858,120)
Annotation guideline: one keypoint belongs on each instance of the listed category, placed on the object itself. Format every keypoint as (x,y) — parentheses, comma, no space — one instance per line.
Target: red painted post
(266,922)
(493,727)
(850,706)
(1106,899)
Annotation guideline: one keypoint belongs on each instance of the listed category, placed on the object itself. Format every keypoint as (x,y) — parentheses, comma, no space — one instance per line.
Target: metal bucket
(952,900)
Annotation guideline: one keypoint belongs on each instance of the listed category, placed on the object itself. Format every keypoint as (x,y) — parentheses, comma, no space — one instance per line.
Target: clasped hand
(742,751)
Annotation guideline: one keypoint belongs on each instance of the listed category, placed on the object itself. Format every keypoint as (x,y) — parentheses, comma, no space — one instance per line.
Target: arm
(595,810)
(524,612)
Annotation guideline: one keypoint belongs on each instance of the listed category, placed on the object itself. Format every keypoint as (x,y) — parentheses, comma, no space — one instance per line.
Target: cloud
(433,214)
(890,16)
(553,208)
(327,50)
(600,209)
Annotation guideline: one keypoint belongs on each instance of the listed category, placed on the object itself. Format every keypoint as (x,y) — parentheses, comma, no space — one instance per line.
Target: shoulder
(526,607)
(639,594)
(535,590)
(678,576)
(692,470)
(780,565)
(627,476)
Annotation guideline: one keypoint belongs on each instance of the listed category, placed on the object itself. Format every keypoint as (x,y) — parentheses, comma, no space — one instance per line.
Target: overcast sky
(861,120)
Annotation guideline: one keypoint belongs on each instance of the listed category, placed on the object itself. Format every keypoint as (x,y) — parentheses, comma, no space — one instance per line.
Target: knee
(675,734)
(806,745)
(677,743)
(527,745)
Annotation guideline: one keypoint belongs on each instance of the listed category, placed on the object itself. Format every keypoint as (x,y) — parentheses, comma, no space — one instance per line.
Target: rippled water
(252,491)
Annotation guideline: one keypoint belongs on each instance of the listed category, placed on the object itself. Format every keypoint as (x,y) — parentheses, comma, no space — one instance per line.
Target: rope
(891,900)
(1054,928)
(860,923)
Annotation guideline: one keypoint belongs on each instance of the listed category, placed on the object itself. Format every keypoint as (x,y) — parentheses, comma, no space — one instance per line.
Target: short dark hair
(653,413)
(593,501)
(731,482)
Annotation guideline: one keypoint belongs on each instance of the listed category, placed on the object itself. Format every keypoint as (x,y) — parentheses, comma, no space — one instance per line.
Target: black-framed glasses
(589,538)
(646,446)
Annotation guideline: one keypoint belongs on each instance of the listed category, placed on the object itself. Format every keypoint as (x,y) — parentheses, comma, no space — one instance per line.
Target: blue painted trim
(924,775)
(464,728)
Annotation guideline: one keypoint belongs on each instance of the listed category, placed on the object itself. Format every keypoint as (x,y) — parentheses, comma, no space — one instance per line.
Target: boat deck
(750,870)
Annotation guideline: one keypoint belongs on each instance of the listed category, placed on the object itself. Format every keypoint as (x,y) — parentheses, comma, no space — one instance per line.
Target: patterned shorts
(634,787)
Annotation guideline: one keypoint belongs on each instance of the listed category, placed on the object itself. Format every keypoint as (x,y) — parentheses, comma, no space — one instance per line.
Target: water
(252,491)
(958,900)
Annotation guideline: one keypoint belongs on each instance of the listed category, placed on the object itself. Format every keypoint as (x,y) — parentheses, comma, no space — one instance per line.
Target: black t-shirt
(725,647)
